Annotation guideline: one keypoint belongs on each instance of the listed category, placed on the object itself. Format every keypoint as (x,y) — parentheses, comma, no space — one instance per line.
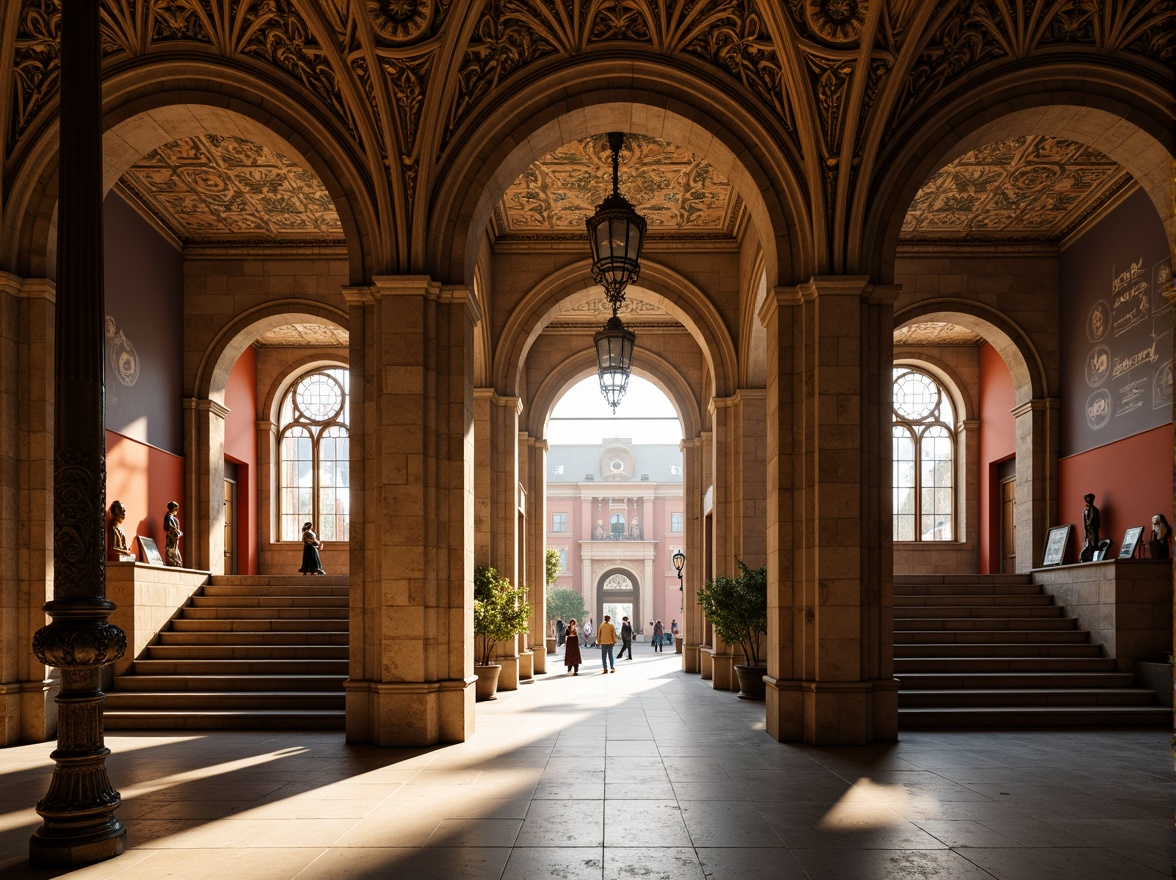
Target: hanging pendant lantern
(616,234)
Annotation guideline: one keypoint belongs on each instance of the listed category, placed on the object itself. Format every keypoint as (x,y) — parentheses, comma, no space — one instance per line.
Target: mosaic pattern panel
(675,190)
(213,187)
(1021,189)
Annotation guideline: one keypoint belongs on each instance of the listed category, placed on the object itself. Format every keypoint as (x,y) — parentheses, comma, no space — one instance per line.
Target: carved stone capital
(84,646)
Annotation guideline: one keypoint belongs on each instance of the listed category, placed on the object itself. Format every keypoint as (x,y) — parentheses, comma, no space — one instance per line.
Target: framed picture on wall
(1130,542)
(1055,545)
(151,553)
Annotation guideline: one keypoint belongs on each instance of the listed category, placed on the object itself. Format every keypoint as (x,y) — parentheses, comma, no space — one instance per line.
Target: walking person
(626,638)
(606,637)
(588,633)
(559,631)
(311,563)
(572,658)
(658,632)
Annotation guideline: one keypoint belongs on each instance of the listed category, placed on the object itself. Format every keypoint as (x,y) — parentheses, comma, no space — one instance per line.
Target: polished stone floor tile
(648,774)
(749,863)
(379,863)
(888,864)
(565,863)
(1061,864)
(563,823)
(653,863)
(645,823)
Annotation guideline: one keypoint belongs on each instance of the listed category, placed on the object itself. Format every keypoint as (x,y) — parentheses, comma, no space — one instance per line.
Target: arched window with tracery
(923,443)
(313,456)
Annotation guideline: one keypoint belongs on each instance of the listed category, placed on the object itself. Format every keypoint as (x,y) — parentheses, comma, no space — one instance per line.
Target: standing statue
(1161,536)
(118,550)
(172,533)
(1090,526)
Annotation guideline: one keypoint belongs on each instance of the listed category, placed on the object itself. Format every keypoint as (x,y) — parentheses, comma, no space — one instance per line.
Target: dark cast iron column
(78,811)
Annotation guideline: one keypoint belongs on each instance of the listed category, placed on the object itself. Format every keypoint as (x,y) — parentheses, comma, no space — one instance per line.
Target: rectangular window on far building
(559,522)
(563,558)
(676,523)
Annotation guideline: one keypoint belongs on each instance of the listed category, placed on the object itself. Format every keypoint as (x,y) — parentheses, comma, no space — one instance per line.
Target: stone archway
(205,414)
(1035,414)
(622,584)
(619,595)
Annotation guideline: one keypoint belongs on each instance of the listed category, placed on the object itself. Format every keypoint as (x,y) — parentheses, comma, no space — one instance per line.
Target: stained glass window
(923,455)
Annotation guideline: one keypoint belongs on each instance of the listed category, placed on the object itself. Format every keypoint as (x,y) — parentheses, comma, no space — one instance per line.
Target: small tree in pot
(500,614)
(737,607)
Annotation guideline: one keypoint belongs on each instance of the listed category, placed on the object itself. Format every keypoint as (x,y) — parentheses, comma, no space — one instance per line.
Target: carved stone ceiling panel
(1022,189)
(317,335)
(218,187)
(676,191)
(935,333)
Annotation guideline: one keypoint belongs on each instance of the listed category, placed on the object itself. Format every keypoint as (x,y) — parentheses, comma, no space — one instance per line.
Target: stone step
(266,580)
(949,665)
(253,637)
(312,588)
(239,667)
(246,652)
(987,636)
(256,719)
(255,624)
(919,612)
(983,623)
(315,612)
(970,600)
(965,579)
(266,602)
(998,649)
(905,590)
(140,701)
(993,680)
(218,683)
(990,718)
(976,697)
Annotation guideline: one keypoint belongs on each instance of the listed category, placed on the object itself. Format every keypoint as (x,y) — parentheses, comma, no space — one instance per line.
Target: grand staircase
(244,653)
(992,651)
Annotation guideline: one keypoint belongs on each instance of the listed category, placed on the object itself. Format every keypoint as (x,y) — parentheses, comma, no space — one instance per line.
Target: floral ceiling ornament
(838,21)
(404,21)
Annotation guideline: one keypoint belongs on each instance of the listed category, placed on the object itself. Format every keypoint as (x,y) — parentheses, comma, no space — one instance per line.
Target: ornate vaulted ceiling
(216,187)
(401,86)
(678,193)
(1022,189)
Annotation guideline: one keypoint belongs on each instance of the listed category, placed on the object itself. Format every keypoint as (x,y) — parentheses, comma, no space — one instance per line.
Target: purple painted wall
(144,330)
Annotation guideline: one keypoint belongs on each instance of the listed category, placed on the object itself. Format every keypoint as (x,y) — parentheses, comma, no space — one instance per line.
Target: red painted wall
(241,447)
(998,440)
(1131,480)
(144,479)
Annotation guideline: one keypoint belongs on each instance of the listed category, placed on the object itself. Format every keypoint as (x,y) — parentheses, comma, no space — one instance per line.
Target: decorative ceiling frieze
(510,35)
(974,33)
(215,188)
(1021,189)
(271,32)
(935,333)
(675,190)
(305,335)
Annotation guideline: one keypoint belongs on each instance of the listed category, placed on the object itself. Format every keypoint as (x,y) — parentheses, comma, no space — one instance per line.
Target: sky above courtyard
(645,415)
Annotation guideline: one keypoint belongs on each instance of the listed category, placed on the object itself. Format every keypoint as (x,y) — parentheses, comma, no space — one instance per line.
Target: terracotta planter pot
(751,681)
(487,685)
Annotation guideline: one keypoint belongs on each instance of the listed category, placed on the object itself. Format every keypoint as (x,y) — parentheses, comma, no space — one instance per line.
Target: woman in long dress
(572,647)
(172,534)
(311,564)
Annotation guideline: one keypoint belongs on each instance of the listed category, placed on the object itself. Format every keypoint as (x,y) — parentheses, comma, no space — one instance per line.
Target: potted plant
(737,607)
(500,614)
